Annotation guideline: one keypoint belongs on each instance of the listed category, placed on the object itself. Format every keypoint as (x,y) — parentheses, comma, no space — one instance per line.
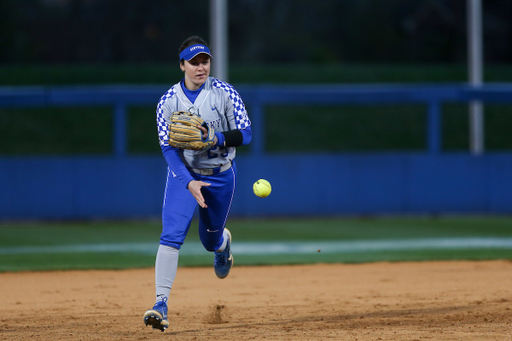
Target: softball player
(207,178)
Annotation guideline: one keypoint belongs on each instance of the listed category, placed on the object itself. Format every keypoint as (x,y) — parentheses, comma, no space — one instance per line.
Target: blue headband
(192,51)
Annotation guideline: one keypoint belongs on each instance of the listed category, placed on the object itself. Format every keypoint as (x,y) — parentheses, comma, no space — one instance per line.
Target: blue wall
(338,184)
(380,184)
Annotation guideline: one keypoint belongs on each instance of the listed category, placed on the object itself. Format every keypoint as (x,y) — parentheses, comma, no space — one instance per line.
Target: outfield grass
(19,235)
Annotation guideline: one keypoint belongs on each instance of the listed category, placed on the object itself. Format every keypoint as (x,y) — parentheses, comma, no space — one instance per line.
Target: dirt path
(379,301)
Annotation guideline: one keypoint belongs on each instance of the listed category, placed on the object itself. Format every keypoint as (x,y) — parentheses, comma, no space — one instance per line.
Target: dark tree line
(260,31)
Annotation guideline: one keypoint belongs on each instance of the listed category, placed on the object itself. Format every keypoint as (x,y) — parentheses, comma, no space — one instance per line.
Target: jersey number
(216,152)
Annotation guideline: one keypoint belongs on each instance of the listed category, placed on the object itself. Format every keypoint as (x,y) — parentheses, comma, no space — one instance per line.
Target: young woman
(207,178)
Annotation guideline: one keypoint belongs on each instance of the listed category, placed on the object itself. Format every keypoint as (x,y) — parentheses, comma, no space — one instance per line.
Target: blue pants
(179,207)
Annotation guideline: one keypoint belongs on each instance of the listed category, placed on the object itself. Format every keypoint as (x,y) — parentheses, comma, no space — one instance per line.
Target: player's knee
(212,239)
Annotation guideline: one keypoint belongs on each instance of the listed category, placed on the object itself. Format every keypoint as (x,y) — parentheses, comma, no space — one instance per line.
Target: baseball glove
(184,133)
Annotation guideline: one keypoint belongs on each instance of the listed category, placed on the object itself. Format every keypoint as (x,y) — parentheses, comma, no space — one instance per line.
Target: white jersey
(222,108)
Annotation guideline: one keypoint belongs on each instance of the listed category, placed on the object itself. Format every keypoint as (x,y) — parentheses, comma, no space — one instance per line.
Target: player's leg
(177,213)
(166,266)
(212,232)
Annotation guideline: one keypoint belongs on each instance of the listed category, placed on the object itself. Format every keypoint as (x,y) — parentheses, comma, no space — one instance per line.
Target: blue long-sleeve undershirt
(176,166)
(246,137)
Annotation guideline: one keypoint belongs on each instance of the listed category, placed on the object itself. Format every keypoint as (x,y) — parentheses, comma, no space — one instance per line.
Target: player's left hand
(187,131)
(194,187)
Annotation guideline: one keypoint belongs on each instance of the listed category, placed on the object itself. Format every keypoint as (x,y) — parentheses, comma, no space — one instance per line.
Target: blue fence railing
(120,97)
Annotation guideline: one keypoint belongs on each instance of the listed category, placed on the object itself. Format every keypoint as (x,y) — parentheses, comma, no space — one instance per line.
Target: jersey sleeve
(163,112)
(236,110)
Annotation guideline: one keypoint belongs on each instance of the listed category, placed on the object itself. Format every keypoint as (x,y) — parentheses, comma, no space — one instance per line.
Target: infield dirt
(377,301)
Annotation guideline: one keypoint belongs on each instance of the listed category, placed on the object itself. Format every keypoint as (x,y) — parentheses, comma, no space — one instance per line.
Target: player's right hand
(194,187)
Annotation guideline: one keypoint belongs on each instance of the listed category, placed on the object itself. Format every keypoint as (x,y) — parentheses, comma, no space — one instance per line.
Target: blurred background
(260,31)
(359,109)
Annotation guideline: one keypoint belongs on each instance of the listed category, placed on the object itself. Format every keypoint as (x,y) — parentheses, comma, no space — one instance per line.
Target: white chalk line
(279,248)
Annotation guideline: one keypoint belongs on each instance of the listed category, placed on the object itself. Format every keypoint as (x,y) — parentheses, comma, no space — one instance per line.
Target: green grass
(249,230)
(75,261)
(285,229)
(369,257)
(44,234)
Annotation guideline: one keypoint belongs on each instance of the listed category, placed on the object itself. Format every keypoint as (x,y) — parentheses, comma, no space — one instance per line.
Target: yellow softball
(262,188)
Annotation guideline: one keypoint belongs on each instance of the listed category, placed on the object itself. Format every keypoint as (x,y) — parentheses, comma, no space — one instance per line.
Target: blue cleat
(157,317)
(223,261)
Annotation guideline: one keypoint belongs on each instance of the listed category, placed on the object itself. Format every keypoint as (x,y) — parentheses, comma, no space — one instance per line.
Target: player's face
(196,71)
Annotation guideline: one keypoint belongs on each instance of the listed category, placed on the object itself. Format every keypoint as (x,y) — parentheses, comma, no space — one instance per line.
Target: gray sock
(166,266)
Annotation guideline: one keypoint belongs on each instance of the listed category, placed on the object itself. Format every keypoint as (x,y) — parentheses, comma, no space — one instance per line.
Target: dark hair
(192,40)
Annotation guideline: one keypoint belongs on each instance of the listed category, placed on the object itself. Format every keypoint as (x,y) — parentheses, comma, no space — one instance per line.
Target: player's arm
(234,138)
(241,133)
(176,165)
(170,153)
